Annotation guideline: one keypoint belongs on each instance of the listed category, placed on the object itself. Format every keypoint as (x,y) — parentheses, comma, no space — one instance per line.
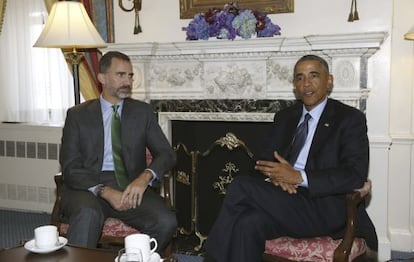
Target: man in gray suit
(305,195)
(91,192)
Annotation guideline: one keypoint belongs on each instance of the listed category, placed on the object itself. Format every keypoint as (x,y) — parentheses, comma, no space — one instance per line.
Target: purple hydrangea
(198,28)
(269,30)
(229,22)
(245,24)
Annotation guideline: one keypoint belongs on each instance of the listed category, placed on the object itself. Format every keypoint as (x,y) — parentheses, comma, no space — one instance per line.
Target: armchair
(114,230)
(323,249)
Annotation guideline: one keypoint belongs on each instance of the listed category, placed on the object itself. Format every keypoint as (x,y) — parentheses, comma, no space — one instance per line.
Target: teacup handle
(120,253)
(155,245)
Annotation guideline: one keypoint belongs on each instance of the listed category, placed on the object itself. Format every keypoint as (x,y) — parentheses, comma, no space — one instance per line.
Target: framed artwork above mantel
(188,8)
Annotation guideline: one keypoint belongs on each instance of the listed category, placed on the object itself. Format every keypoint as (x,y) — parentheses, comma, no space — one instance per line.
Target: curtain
(35,83)
(101,14)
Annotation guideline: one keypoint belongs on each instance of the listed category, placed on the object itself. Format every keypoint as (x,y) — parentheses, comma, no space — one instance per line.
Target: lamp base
(75,58)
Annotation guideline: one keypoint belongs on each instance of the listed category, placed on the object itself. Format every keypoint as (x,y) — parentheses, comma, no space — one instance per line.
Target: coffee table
(68,253)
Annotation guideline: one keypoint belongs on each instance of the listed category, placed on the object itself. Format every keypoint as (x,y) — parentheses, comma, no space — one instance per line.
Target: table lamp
(70,28)
(410,34)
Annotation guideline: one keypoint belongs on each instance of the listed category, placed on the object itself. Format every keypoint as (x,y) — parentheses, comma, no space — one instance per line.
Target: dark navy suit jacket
(338,159)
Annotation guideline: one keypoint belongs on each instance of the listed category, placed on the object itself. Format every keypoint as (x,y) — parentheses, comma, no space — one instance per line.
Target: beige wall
(160,19)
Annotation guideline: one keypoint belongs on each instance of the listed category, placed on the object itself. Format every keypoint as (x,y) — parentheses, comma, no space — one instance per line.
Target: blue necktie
(299,140)
(119,168)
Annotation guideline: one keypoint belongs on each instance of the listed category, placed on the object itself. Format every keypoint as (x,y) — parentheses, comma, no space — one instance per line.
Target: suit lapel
(323,128)
(129,130)
(95,118)
(291,127)
(127,120)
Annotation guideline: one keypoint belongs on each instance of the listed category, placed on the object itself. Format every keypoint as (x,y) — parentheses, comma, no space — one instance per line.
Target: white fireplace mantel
(366,41)
(254,69)
(247,69)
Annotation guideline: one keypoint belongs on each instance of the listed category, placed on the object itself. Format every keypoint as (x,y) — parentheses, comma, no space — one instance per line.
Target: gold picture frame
(188,8)
(2,10)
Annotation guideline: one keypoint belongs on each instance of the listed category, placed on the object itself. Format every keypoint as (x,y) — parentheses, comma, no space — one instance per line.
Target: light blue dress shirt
(108,162)
(312,123)
(107,110)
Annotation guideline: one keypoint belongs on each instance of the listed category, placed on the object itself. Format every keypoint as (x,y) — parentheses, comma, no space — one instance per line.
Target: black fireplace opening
(210,161)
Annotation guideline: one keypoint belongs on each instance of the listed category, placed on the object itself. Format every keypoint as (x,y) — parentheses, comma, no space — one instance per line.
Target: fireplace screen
(210,155)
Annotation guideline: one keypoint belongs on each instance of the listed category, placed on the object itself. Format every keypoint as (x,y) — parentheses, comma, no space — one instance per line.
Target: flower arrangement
(229,22)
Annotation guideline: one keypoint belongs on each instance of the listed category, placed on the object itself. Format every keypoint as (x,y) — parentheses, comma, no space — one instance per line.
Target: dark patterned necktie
(299,140)
(119,168)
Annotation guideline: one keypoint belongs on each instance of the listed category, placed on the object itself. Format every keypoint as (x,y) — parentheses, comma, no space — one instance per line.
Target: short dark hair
(106,60)
(313,58)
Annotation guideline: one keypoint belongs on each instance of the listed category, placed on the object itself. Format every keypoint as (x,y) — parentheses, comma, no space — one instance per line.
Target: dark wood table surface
(66,254)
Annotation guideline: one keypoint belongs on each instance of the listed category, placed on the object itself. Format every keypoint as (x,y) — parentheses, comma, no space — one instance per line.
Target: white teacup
(46,236)
(142,242)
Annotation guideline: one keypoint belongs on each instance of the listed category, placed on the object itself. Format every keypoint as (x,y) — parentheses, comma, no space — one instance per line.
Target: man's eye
(121,75)
(315,75)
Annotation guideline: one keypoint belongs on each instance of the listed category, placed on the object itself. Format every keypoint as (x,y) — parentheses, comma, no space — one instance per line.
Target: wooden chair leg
(168,251)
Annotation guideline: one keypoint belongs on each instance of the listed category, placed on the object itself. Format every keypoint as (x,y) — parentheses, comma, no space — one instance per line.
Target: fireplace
(241,81)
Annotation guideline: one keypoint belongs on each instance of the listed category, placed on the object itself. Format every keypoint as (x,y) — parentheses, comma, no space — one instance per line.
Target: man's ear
(101,78)
(330,83)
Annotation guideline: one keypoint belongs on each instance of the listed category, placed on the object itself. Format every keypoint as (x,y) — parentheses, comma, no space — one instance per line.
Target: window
(36,84)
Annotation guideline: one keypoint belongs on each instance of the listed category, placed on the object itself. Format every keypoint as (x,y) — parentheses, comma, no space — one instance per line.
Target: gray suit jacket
(81,154)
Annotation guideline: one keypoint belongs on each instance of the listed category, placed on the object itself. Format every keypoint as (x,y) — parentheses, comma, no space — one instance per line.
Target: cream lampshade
(69,26)
(410,34)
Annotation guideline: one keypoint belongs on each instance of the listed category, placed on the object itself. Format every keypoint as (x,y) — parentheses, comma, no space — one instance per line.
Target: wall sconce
(410,34)
(353,14)
(70,28)
(136,7)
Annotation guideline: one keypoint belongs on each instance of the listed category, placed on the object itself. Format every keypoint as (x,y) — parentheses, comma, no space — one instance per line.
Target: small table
(67,253)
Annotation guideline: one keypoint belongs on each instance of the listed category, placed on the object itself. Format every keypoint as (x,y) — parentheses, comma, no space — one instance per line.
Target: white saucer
(152,259)
(30,245)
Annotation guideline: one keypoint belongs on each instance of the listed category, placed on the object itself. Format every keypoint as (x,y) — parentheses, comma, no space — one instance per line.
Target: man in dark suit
(91,191)
(303,196)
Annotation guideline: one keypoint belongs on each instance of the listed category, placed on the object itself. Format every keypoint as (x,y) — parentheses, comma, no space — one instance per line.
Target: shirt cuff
(94,189)
(154,176)
(304,178)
